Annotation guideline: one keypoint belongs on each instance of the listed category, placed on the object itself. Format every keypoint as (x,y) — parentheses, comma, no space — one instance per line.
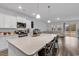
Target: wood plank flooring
(4,53)
(68,47)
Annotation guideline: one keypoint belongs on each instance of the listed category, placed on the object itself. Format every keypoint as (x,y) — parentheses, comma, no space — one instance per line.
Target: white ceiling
(65,11)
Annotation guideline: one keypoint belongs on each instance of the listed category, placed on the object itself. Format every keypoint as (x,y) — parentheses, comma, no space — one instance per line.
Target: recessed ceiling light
(37,16)
(20,7)
(49,21)
(33,14)
(58,18)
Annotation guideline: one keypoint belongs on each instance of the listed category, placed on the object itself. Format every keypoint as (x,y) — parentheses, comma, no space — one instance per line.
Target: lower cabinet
(3,44)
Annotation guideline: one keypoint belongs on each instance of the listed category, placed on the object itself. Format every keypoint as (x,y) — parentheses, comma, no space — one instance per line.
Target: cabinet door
(2,21)
(10,21)
(13,22)
(23,20)
(28,24)
(19,19)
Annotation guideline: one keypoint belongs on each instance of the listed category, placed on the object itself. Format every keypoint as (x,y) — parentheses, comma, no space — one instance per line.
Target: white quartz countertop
(31,45)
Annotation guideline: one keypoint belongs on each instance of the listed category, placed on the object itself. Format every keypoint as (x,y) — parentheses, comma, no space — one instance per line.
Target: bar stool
(47,50)
(54,45)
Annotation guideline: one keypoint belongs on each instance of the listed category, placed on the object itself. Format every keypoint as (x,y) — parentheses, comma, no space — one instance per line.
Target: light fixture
(49,21)
(20,7)
(58,18)
(38,16)
(49,13)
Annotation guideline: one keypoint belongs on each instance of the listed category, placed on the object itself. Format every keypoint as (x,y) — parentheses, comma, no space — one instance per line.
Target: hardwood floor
(69,46)
(4,53)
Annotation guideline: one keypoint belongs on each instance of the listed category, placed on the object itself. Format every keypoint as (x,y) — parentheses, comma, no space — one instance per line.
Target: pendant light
(49,21)
(38,15)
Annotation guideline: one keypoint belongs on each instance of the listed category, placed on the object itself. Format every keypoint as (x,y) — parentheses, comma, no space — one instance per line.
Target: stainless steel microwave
(21,25)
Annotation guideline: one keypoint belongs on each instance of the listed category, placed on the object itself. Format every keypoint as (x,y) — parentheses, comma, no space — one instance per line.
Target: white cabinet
(7,21)
(3,43)
(10,21)
(28,24)
(21,19)
(24,20)
(2,21)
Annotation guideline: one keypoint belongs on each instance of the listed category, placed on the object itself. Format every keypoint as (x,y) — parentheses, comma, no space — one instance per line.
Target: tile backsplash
(7,31)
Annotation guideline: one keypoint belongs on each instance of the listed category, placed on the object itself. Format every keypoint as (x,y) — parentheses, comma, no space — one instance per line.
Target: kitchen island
(28,46)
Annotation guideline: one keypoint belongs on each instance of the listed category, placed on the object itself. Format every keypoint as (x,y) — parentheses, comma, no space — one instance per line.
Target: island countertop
(31,45)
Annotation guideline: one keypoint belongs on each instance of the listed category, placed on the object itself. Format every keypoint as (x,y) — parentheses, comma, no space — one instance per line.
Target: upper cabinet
(28,24)
(24,20)
(21,19)
(7,21)
(10,21)
(2,21)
